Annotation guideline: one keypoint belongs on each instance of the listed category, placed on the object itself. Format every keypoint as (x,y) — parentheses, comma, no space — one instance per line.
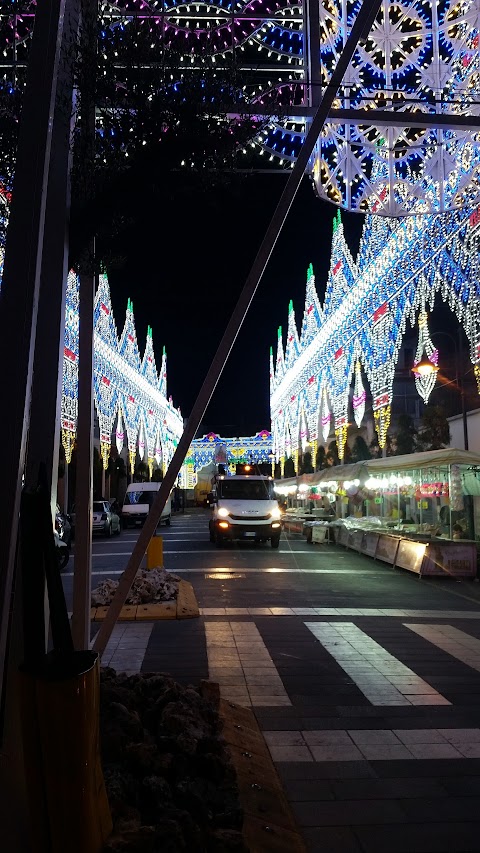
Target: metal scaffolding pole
(21,281)
(360,30)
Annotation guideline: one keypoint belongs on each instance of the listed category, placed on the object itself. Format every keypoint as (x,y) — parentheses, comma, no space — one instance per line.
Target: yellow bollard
(155,553)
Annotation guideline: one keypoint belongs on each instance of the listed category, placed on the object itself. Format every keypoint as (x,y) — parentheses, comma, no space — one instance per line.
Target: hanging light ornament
(326,416)
(425,365)
(119,433)
(359,395)
(141,442)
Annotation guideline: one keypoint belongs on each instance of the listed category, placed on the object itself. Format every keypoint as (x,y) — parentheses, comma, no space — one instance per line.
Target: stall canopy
(375,467)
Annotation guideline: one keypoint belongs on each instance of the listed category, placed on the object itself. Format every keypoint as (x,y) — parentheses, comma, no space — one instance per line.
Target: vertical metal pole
(21,283)
(461,386)
(360,29)
(33,314)
(311,52)
(84,482)
(83,493)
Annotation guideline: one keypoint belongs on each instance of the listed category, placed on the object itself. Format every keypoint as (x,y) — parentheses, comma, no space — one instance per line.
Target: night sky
(184,281)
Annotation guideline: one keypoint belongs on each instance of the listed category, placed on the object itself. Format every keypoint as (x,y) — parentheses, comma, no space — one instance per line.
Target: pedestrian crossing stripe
(240,661)
(380,676)
(457,643)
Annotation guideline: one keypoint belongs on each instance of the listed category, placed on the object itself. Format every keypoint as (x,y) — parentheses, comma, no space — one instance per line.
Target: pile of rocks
(169,778)
(148,587)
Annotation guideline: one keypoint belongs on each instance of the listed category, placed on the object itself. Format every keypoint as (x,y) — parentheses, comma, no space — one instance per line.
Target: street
(365,681)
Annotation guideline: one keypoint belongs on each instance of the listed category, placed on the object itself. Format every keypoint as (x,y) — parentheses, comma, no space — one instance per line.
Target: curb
(185,606)
(269,825)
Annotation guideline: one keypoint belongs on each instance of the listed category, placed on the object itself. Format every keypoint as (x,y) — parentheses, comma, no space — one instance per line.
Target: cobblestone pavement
(364,680)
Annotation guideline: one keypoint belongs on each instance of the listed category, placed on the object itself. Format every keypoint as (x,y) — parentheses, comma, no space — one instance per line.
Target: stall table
(422,555)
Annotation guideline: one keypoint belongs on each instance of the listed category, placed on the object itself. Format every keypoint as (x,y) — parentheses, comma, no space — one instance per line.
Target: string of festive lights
(418,56)
(130,397)
(358,331)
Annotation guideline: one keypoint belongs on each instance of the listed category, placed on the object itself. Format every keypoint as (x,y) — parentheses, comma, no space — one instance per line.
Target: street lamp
(425,368)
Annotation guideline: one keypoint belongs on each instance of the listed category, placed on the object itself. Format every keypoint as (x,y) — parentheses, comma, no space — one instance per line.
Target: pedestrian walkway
(371,714)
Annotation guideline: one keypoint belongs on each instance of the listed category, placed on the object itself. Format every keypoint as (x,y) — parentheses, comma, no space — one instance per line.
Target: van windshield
(134,498)
(246,490)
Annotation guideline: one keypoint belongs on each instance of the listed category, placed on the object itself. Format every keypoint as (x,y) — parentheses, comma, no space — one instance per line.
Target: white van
(245,508)
(138,499)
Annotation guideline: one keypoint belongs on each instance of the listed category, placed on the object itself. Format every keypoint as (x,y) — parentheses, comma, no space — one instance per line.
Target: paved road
(365,681)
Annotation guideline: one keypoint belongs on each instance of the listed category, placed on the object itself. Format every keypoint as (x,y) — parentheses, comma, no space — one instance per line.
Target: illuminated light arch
(401,265)
(128,393)
(257,448)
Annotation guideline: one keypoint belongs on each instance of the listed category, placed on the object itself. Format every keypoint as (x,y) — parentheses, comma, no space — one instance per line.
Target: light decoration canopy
(401,265)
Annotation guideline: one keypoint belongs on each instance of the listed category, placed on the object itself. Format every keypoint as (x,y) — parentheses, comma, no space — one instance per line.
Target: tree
(434,433)
(406,437)
(321,459)
(289,468)
(141,472)
(332,454)
(306,466)
(157,475)
(360,450)
(376,450)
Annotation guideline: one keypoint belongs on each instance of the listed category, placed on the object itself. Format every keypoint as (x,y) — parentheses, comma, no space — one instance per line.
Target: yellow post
(155,553)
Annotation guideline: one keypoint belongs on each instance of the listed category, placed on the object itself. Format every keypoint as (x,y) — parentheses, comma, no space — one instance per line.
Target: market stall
(418,512)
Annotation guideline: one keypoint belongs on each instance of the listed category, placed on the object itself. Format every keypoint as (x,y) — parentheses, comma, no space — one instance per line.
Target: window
(246,490)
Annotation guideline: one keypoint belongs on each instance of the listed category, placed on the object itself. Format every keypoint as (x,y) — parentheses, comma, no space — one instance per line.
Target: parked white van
(245,508)
(138,499)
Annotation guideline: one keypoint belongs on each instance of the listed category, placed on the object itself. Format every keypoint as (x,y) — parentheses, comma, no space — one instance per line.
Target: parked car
(62,550)
(139,498)
(105,518)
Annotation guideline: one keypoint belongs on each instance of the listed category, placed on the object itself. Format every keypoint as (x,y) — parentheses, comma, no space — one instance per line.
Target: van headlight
(275,513)
(222,512)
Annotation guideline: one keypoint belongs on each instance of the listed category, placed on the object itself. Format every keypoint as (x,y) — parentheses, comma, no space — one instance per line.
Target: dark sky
(184,282)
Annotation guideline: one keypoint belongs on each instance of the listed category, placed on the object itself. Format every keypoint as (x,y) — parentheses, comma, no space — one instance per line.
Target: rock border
(185,606)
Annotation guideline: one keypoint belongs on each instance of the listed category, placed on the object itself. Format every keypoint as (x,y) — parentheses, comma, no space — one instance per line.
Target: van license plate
(249,534)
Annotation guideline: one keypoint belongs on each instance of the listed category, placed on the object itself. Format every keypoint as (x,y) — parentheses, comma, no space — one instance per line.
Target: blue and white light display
(419,56)
(130,397)
(401,265)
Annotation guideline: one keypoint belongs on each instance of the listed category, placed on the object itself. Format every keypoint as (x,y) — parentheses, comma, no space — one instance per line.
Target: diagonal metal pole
(360,30)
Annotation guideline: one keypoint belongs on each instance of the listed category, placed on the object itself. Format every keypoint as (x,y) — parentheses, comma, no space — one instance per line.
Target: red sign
(105,381)
(475,217)
(309,309)
(337,267)
(130,338)
(69,354)
(382,198)
(131,399)
(311,380)
(292,398)
(104,308)
(338,354)
(381,401)
(380,312)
